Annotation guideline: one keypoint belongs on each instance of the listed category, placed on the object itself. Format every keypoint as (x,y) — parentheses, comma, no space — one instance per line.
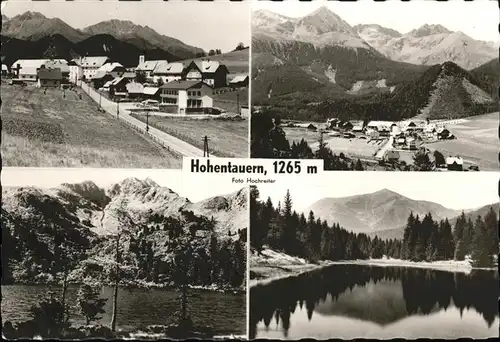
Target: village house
(59,64)
(90,65)
(381,126)
(187,96)
(75,71)
(49,78)
(211,72)
(135,90)
(100,79)
(107,72)
(168,72)
(147,67)
(443,133)
(357,125)
(129,75)
(455,164)
(239,81)
(27,69)
(152,93)
(118,87)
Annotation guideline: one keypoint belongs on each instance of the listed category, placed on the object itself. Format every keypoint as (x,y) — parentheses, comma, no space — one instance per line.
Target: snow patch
(357,86)
(331,73)
(392,88)
(381,83)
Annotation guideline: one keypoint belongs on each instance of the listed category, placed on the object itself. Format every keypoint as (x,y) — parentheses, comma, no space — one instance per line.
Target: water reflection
(348,301)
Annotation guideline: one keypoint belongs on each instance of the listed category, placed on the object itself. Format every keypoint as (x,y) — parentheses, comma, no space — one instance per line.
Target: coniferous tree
(491,226)
(480,250)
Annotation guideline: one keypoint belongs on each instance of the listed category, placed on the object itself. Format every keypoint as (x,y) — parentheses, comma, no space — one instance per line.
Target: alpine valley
(318,66)
(80,222)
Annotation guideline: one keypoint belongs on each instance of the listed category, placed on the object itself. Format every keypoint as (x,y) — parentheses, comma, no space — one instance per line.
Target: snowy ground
(272,265)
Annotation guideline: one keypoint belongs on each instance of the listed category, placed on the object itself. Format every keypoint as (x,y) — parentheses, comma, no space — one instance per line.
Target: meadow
(58,128)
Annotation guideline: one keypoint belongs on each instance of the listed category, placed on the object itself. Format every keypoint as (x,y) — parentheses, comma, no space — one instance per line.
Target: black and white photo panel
(121,254)
(407,89)
(375,255)
(123,84)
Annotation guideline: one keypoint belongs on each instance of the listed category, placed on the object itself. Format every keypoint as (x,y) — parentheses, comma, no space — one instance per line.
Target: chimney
(141,59)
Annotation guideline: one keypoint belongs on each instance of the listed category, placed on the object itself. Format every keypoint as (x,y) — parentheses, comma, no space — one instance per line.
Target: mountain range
(35,219)
(32,35)
(383,213)
(428,45)
(309,62)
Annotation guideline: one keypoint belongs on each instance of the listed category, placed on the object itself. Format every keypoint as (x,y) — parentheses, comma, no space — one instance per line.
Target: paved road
(172,142)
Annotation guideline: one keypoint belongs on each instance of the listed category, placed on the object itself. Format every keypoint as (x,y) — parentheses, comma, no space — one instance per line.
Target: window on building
(198,93)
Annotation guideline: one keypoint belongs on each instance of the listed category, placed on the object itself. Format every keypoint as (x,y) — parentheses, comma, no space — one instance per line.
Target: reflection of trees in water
(423,290)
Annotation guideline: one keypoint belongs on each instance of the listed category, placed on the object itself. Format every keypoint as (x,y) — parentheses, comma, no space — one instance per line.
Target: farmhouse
(49,77)
(357,125)
(380,126)
(455,163)
(101,78)
(134,90)
(151,93)
(128,75)
(114,69)
(168,72)
(211,72)
(187,96)
(118,87)
(443,133)
(27,69)
(90,65)
(239,81)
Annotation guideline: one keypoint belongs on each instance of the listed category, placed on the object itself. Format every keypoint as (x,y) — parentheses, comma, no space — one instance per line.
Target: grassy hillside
(237,62)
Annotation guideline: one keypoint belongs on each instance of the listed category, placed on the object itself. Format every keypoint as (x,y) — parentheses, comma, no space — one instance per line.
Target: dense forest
(281,228)
(313,104)
(147,251)
(164,251)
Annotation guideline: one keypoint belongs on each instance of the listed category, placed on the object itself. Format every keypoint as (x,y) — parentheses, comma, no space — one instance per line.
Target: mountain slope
(488,75)
(124,39)
(381,210)
(81,220)
(443,92)
(397,233)
(33,26)
(325,48)
(57,46)
(142,36)
(429,45)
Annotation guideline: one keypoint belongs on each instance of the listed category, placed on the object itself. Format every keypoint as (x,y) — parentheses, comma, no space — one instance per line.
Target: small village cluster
(392,137)
(177,87)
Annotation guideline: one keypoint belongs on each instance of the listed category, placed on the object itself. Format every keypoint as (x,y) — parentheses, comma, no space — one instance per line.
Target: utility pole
(147,120)
(100,100)
(238,101)
(117,108)
(206,152)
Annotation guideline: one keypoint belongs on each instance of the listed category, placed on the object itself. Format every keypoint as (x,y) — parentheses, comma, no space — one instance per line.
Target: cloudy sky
(454,190)
(479,19)
(207,25)
(172,179)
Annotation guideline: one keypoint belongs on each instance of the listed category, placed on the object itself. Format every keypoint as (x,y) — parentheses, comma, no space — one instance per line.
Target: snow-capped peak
(428,30)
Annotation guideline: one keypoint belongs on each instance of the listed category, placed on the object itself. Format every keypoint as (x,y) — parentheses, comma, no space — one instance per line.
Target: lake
(358,301)
(225,312)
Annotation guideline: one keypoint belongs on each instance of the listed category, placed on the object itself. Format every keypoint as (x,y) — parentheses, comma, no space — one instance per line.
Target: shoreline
(283,271)
(205,288)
